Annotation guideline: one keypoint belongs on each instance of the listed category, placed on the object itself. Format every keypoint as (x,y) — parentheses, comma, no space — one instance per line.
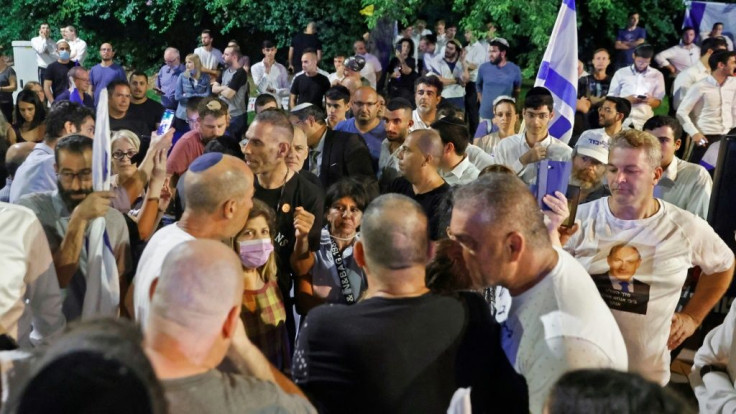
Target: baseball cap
(593,145)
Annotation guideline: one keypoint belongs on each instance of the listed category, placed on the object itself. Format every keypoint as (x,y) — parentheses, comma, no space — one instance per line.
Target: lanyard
(347,290)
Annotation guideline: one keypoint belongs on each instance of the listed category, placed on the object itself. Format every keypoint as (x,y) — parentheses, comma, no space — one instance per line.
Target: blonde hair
(128,135)
(197,66)
(635,139)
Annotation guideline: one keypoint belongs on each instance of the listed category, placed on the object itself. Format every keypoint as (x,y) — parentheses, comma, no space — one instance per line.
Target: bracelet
(712,368)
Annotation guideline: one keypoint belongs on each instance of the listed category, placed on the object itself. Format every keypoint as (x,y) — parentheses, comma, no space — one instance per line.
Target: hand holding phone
(166,120)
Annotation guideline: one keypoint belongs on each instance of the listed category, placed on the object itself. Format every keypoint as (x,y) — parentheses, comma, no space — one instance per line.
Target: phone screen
(166,120)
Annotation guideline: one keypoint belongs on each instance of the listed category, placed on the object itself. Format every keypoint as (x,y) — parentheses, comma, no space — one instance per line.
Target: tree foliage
(527,24)
(141,29)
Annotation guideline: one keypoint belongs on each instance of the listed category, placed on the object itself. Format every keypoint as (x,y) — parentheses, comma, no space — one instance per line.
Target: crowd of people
(367,241)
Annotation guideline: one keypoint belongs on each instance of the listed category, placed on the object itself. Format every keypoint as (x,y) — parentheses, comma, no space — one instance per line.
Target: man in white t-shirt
(210,56)
(668,241)
(219,191)
(556,322)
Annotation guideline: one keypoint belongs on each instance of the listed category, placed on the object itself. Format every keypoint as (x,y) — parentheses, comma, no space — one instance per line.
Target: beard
(585,179)
(66,196)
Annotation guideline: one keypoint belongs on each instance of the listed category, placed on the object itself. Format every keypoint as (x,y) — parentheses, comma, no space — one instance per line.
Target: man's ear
(283,149)
(514,245)
(152,289)
(69,128)
(678,143)
(231,322)
(359,253)
(228,208)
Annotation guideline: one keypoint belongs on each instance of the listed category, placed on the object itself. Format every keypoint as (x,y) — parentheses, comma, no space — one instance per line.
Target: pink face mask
(255,253)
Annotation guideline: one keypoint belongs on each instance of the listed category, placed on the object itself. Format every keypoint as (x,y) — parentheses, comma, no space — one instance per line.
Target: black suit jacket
(635,302)
(343,155)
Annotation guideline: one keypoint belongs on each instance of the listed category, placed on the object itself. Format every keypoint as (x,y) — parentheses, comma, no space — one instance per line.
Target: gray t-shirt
(54,217)
(237,80)
(218,392)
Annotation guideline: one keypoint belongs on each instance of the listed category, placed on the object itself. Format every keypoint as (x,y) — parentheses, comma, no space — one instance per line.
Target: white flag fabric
(559,71)
(702,15)
(102,296)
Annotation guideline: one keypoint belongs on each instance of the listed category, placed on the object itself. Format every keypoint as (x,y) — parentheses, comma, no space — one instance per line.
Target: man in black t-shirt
(55,79)
(419,158)
(286,191)
(311,85)
(118,105)
(300,43)
(401,348)
(147,110)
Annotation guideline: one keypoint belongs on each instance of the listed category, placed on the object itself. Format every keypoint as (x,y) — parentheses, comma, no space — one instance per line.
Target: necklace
(281,194)
(344,238)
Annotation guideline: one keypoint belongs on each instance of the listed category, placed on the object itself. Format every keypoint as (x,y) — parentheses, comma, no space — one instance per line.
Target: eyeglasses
(68,176)
(169,62)
(192,121)
(119,155)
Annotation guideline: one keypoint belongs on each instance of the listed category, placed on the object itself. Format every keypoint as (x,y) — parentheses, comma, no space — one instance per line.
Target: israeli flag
(559,71)
(103,288)
(702,15)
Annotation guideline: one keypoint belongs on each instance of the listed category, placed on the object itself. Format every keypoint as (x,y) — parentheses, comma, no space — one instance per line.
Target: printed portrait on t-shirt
(619,287)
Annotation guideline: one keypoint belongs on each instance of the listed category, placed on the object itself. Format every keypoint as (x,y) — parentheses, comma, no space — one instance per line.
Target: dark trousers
(471,106)
(698,151)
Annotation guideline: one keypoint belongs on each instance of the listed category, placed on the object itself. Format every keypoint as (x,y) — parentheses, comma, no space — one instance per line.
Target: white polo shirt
(627,81)
(713,105)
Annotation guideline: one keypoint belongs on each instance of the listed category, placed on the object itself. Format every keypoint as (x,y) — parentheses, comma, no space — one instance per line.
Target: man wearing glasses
(65,214)
(366,122)
(37,173)
(167,77)
(522,152)
(77,92)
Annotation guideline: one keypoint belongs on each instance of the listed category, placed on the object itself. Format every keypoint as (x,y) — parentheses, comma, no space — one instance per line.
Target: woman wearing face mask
(321,275)
(191,83)
(29,116)
(505,118)
(263,312)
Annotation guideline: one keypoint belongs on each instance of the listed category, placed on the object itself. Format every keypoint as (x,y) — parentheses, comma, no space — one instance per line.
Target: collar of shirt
(58,205)
(41,146)
(636,72)
(321,145)
(460,168)
(670,174)
(545,142)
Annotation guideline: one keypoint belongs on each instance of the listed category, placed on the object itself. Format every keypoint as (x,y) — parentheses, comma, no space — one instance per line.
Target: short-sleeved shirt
(210,58)
(402,355)
(372,138)
(626,57)
(100,76)
(300,42)
(149,112)
(236,80)
(298,192)
(6,97)
(431,201)
(668,243)
(57,73)
(54,217)
(186,150)
(310,89)
(215,392)
(589,86)
(493,82)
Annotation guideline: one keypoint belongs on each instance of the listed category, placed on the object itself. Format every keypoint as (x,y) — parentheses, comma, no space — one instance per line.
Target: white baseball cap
(593,145)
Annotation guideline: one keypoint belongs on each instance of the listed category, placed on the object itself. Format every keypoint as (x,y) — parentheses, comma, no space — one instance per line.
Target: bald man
(419,158)
(219,191)
(17,153)
(194,321)
(402,348)
(558,321)
(366,122)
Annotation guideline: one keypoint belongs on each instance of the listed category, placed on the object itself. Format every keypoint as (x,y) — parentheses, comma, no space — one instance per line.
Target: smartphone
(641,96)
(573,198)
(166,120)
(552,176)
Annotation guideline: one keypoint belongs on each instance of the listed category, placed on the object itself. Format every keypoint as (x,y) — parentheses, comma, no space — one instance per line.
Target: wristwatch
(712,368)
